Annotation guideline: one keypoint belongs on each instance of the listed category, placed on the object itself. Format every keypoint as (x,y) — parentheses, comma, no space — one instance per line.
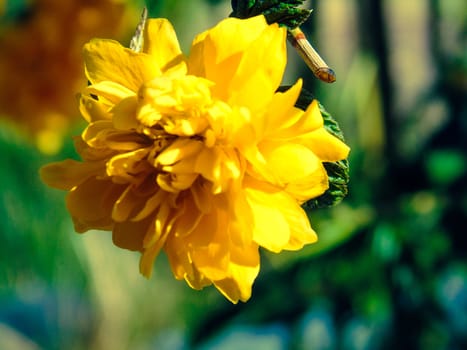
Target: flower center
(188,136)
(176,105)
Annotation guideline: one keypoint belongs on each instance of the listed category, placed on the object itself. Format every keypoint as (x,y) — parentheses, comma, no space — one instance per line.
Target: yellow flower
(198,156)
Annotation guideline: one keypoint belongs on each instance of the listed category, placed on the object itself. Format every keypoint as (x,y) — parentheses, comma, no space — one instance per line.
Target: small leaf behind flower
(285,12)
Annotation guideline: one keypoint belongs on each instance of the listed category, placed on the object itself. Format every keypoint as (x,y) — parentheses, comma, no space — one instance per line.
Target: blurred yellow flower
(41,64)
(197,156)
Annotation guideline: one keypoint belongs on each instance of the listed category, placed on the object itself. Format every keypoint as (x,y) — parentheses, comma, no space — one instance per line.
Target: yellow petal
(307,128)
(220,165)
(311,186)
(281,113)
(179,150)
(152,204)
(182,264)
(146,262)
(220,48)
(201,196)
(93,134)
(196,279)
(107,60)
(210,246)
(189,219)
(102,135)
(204,239)
(242,275)
(88,153)
(160,231)
(109,91)
(130,234)
(241,56)
(124,114)
(302,233)
(93,110)
(260,71)
(326,146)
(67,174)
(91,202)
(276,216)
(160,41)
(232,35)
(129,203)
(176,182)
(312,118)
(241,220)
(179,260)
(196,58)
(294,122)
(128,165)
(289,162)
(271,230)
(157,236)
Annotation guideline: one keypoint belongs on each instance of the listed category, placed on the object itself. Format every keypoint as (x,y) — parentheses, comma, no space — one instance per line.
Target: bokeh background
(389,270)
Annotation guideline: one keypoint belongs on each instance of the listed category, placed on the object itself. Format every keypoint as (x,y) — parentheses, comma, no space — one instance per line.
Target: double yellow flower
(197,156)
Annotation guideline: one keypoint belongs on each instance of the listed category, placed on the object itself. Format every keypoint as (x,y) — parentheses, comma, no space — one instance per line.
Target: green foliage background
(389,270)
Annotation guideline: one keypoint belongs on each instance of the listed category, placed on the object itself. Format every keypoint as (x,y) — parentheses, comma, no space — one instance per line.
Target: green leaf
(338,172)
(286,13)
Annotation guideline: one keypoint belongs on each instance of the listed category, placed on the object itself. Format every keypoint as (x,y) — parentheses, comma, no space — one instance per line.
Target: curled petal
(107,60)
